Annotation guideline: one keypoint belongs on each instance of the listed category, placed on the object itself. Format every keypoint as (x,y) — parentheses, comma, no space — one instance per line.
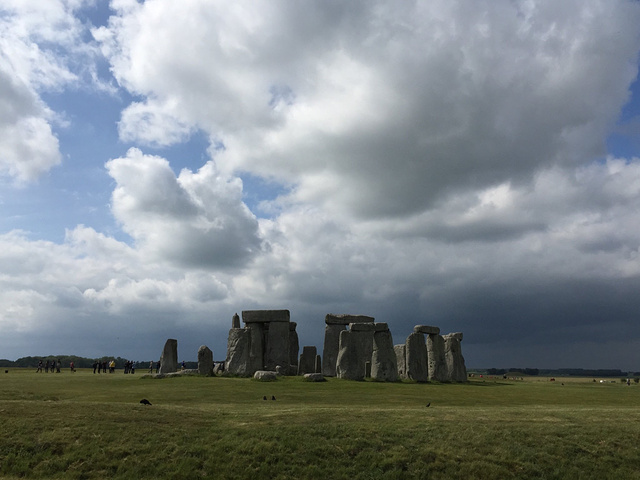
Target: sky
(473,165)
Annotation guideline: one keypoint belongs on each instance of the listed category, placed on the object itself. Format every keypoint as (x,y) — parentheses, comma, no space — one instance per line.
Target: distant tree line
(577,372)
(79,362)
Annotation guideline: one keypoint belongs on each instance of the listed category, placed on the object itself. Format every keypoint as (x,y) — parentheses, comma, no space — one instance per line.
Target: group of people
(98,366)
(53,366)
(129,366)
(102,366)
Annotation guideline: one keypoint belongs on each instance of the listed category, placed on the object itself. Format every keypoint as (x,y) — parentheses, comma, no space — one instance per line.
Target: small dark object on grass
(272,397)
(264,398)
(429,404)
(6,371)
(144,401)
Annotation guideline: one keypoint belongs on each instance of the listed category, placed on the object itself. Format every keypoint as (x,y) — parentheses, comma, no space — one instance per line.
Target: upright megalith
(384,366)
(456,370)
(169,357)
(307,362)
(355,349)
(264,344)
(335,324)
(417,358)
(277,348)
(294,345)
(238,352)
(401,359)
(436,360)
(205,361)
(256,346)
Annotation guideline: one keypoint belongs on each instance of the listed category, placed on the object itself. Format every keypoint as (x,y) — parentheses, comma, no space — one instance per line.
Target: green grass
(91,426)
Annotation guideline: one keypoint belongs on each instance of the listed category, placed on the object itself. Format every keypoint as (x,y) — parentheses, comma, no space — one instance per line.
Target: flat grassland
(85,425)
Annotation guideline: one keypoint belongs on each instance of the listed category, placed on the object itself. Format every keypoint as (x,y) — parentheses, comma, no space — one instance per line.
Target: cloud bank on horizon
(471,165)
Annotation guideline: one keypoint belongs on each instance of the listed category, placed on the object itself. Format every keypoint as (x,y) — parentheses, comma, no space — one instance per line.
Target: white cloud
(197,219)
(445,164)
(41,49)
(386,108)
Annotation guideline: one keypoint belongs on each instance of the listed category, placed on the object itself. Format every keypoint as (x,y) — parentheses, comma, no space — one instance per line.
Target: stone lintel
(346,319)
(362,327)
(265,316)
(457,335)
(429,330)
(381,327)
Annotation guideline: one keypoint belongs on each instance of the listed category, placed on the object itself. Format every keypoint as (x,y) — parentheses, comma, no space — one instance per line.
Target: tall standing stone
(335,324)
(205,361)
(169,357)
(331,348)
(436,358)
(384,366)
(456,370)
(235,321)
(277,348)
(307,362)
(355,344)
(294,344)
(238,360)
(256,347)
(417,358)
(401,359)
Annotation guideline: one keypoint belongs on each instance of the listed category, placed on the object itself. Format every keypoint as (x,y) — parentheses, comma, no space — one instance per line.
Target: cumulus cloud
(444,163)
(41,50)
(195,219)
(377,109)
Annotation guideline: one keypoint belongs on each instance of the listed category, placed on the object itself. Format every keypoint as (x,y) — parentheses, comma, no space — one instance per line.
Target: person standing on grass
(112,366)
(72,366)
(58,365)
(158,366)
(39,370)
(151,366)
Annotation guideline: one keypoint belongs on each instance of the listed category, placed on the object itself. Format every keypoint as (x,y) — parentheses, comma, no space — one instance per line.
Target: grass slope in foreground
(85,425)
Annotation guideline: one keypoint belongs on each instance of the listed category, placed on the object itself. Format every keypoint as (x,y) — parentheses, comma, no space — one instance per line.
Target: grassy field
(92,426)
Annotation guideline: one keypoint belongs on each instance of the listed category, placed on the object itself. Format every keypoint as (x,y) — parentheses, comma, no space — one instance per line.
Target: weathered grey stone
(346,319)
(362,327)
(238,360)
(169,357)
(187,372)
(384,366)
(401,359)
(417,358)
(331,347)
(218,368)
(205,361)
(350,364)
(457,335)
(277,346)
(294,345)
(256,347)
(307,362)
(437,363)
(356,347)
(426,329)
(381,327)
(235,321)
(318,364)
(456,370)
(314,377)
(265,376)
(265,316)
